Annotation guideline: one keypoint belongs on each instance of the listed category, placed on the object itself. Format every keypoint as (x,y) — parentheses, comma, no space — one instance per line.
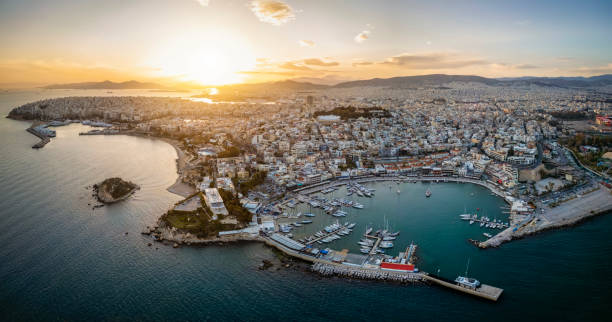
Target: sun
(215,58)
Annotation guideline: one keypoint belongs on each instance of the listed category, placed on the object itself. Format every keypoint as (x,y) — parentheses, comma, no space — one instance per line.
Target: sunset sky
(232,41)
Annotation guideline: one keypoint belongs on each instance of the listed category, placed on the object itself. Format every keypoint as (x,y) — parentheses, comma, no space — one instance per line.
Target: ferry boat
(428,193)
(467,282)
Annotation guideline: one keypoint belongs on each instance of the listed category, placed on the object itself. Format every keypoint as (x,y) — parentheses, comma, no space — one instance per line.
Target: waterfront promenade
(365,179)
(567,213)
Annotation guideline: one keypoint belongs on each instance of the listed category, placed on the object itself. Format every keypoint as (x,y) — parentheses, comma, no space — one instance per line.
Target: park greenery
(591,159)
(229,152)
(257,178)
(234,207)
(196,222)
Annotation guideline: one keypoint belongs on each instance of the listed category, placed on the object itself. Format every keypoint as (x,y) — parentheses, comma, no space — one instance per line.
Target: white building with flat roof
(214,201)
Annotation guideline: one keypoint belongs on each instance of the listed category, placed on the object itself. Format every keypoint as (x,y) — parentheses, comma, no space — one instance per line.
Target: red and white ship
(402,262)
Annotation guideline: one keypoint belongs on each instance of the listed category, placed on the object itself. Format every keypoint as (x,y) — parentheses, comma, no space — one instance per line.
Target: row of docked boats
(328,190)
(360,190)
(339,213)
(368,242)
(330,233)
(484,221)
(286,228)
(345,203)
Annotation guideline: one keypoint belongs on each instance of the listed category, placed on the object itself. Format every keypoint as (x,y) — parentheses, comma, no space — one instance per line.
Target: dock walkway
(484,291)
(327,267)
(326,235)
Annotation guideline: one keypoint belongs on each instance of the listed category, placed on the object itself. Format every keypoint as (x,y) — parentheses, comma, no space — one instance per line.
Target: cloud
(594,70)
(507,66)
(319,62)
(362,63)
(294,66)
(432,61)
(203,3)
(564,59)
(362,36)
(273,12)
(306,43)
(525,66)
(266,72)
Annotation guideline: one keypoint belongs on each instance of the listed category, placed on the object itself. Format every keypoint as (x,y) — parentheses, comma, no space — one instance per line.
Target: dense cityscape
(514,140)
(273,160)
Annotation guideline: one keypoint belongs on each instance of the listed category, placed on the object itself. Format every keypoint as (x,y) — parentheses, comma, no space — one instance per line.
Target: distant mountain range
(434,80)
(106,85)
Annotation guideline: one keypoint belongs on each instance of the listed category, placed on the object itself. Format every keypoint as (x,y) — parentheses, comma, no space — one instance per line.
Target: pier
(43,138)
(365,273)
(483,291)
(376,243)
(363,270)
(326,235)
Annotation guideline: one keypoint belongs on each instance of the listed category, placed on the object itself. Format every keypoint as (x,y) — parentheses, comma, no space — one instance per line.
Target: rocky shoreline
(161,233)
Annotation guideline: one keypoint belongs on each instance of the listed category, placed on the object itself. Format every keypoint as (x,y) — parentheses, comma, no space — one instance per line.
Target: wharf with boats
(43,134)
(329,262)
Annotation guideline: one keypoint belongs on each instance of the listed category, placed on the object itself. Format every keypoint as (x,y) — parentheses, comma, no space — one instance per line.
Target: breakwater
(43,138)
(364,273)
(566,214)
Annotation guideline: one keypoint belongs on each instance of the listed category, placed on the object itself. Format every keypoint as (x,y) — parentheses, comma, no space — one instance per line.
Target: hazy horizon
(211,42)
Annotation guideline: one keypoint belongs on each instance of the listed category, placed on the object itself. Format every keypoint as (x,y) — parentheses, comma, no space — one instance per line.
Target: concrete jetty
(483,291)
(364,271)
(565,214)
(43,138)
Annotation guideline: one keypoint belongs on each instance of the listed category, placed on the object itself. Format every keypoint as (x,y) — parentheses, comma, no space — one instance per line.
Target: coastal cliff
(114,189)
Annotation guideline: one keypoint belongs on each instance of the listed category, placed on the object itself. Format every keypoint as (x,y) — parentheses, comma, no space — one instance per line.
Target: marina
(374,267)
(369,255)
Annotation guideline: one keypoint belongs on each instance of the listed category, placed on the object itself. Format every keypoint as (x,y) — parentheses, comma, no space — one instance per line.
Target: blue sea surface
(62,260)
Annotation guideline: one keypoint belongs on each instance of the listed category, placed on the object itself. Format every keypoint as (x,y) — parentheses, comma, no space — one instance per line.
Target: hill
(106,85)
(417,81)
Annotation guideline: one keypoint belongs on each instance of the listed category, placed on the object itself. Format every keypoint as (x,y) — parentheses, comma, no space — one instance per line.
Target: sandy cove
(179,187)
